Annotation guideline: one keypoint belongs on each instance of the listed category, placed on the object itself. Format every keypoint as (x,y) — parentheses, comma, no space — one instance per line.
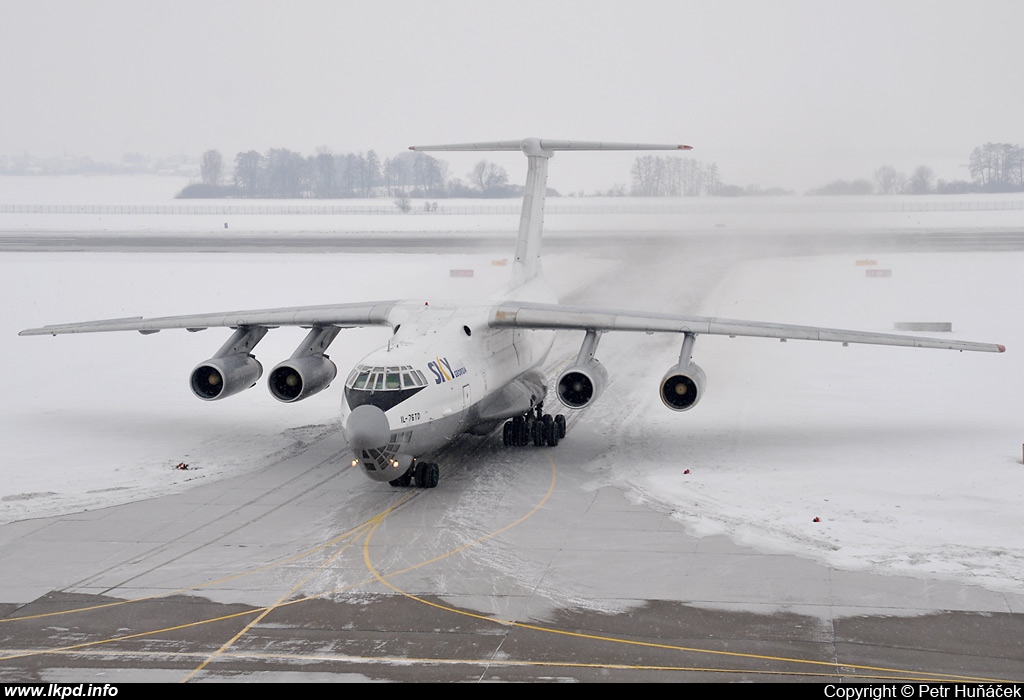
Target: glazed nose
(367,428)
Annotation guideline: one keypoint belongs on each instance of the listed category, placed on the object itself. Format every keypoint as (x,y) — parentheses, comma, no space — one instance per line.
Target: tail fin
(537,152)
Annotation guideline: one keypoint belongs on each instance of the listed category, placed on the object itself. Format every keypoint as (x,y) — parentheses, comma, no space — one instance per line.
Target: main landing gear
(534,426)
(424,474)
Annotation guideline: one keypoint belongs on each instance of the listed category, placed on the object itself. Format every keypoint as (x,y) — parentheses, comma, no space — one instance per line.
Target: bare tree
(371,173)
(430,174)
(249,173)
(998,166)
(888,180)
(692,177)
(212,168)
(490,178)
(322,174)
(287,174)
(712,183)
(648,173)
(921,180)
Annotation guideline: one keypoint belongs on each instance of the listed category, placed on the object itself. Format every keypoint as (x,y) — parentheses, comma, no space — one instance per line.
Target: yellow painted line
(267,567)
(266,611)
(254,611)
(383,579)
(368,528)
(509,663)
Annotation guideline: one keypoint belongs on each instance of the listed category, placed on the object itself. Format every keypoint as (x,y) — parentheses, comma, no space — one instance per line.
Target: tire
(432,475)
(538,433)
(560,422)
(518,431)
(421,474)
(551,433)
(506,434)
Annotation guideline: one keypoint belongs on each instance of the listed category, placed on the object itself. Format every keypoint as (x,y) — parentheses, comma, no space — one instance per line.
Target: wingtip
(684,147)
(1002,348)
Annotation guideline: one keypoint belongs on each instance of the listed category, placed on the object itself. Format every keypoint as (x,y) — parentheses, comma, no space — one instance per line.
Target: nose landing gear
(424,474)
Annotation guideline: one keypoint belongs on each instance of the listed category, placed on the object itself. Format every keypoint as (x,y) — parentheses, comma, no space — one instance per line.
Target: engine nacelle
(682,386)
(300,378)
(221,377)
(579,385)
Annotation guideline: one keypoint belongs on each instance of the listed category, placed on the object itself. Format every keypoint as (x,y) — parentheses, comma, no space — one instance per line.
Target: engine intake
(682,386)
(221,377)
(580,384)
(300,378)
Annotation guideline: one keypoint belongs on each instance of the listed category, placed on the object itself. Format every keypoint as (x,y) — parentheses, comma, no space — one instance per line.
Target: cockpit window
(384,387)
(385,378)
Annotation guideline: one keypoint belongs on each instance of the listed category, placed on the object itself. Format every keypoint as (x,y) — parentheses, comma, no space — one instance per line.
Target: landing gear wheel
(551,433)
(533,427)
(517,430)
(427,475)
(538,433)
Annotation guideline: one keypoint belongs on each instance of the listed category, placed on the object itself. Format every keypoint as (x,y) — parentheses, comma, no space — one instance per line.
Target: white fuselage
(475,378)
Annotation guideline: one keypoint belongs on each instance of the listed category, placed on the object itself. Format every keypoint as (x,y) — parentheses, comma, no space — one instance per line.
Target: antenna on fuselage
(537,152)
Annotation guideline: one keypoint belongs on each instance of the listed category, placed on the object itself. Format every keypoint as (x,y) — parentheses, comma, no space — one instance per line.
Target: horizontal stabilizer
(534,146)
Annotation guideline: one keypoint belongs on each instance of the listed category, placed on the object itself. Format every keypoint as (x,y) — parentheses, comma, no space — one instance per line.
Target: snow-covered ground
(910,458)
(111,205)
(102,418)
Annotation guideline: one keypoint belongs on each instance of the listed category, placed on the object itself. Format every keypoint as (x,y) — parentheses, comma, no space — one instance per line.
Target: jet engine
(682,386)
(582,383)
(299,378)
(221,377)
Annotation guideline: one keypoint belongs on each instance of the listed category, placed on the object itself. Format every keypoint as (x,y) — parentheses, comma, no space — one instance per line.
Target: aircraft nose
(367,428)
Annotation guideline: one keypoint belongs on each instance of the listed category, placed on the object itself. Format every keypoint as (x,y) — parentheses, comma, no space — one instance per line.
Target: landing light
(394,463)
(355,462)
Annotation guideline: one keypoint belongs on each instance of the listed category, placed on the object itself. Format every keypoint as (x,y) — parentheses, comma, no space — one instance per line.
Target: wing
(555,316)
(338,315)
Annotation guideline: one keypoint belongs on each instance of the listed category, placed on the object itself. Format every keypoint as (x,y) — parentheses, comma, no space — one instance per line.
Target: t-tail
(537,152)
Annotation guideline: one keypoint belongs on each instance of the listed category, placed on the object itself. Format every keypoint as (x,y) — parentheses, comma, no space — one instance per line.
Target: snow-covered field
(109,205)
(910,458)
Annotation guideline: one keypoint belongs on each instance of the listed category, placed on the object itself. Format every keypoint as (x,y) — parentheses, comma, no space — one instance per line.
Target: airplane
(465,367)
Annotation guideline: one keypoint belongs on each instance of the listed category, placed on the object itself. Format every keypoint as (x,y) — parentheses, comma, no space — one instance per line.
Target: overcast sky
(782,93)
